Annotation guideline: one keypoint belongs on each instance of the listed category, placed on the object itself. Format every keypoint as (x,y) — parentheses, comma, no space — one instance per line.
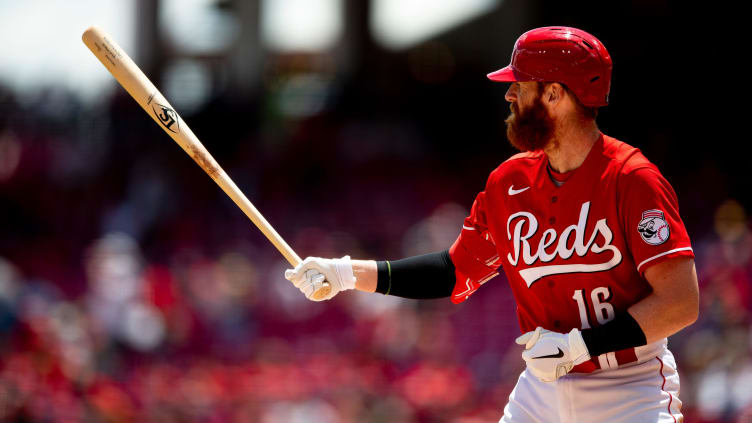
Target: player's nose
(511,95)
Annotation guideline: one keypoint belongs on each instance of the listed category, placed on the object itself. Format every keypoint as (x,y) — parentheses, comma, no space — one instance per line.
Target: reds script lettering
(521,245)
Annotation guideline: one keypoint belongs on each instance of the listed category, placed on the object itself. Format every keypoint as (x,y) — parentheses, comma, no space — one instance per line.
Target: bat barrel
(133,80)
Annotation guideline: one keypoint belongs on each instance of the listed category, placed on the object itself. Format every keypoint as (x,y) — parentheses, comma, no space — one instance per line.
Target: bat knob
(323,292)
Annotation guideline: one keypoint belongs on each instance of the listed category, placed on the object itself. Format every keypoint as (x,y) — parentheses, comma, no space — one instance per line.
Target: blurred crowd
(131,289)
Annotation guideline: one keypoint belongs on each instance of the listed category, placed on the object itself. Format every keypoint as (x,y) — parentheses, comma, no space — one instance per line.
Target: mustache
(513,114)
(514,110)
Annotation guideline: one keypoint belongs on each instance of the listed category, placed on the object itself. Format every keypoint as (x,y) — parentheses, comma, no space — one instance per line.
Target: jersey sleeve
(653,228)
(474,253)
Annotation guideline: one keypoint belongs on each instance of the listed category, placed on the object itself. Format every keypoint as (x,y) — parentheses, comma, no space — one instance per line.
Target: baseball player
(588,233)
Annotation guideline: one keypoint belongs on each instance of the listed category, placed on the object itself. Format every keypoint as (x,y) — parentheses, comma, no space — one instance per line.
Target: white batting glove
(551,355)
(309,276)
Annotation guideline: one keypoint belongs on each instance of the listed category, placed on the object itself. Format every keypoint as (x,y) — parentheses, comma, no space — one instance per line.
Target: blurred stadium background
(132,289)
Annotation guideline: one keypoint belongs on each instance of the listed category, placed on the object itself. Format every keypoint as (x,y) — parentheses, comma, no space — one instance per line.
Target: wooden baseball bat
(130,77)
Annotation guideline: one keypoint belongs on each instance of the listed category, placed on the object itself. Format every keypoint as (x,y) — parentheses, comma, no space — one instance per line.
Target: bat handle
(322,292)
(202,157)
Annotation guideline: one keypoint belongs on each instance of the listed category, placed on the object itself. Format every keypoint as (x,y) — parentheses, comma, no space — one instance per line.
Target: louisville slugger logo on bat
(166,116)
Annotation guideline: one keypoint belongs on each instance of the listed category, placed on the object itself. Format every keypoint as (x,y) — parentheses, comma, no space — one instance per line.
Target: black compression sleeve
(420,277)
(618,334)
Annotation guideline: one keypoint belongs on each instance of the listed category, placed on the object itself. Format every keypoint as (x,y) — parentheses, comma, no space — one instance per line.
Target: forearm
(660,317)
(421,277)
(671,306)
(667,311)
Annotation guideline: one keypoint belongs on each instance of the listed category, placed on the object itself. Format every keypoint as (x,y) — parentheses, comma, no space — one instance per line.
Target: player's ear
(553,93)
(551,97)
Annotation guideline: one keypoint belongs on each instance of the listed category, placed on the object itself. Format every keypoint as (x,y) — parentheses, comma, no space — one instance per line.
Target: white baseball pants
(644,392)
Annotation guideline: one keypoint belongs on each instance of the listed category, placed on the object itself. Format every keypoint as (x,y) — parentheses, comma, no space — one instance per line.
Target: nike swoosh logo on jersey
(513,191)
(558,355)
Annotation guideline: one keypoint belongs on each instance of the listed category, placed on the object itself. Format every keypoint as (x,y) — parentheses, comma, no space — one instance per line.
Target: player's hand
(309,276)
(551,355)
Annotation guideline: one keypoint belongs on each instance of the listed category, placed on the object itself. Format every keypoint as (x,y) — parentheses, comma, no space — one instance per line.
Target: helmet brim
(509,74)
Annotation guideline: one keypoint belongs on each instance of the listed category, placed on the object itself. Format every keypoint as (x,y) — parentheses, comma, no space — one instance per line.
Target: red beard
(530,130)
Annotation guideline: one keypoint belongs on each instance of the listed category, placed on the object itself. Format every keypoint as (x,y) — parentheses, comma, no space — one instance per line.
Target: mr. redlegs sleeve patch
(653,227)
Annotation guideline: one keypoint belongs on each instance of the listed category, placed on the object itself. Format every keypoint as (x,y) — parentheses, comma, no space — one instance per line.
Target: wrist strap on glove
(344,270)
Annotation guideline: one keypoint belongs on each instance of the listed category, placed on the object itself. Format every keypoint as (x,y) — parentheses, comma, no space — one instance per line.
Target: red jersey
(574,254)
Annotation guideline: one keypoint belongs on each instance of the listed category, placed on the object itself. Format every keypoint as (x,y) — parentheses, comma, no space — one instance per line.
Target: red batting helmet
(561,54)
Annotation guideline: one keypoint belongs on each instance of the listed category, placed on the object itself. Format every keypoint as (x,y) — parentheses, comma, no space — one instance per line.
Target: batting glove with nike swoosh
(309,276)
(551,355)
